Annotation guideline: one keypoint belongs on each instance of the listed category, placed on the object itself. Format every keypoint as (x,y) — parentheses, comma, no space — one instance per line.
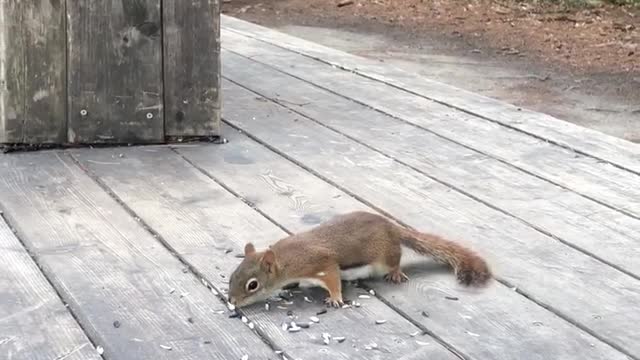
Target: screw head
(149,115)
(83,112)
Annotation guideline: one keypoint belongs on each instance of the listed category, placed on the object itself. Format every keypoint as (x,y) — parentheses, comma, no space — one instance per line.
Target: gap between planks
(194,271)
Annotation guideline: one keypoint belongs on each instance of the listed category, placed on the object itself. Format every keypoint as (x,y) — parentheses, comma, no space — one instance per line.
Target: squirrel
(351,246)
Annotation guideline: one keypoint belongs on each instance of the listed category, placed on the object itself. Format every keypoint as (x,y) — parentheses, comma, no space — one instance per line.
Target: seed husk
(380,322)
(314,319)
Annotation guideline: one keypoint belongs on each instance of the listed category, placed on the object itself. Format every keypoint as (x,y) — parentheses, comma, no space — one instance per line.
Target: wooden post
(192,67)
(32,71)
(115,71)
(108,71)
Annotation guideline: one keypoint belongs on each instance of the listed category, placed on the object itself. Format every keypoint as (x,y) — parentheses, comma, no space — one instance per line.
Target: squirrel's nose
(232,300)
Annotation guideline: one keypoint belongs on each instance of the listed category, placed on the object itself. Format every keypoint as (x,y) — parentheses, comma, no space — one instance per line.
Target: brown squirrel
(347,247)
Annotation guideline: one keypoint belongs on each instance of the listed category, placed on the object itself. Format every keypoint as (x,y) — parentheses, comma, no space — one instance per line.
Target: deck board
(479,325)
(585,175)
(34,323)
(623,153)
(108,268)
(538,265)
(587,225)
(206,213)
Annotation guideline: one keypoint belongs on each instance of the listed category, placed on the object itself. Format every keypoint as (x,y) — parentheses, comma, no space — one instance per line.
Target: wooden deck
(124,253)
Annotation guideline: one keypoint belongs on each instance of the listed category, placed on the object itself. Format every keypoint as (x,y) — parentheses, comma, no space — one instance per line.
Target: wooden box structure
(109,71)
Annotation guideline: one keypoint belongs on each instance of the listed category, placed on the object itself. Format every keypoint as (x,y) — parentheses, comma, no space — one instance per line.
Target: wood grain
(191,67)
(115,72)
(575,286)
(595,229)
(585,175)
(617,151)
(495,313)
(32,72)
(202,221)
(108,268)
(34,323)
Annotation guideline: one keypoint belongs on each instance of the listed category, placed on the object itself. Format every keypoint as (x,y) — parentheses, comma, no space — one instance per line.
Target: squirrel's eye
(252,285)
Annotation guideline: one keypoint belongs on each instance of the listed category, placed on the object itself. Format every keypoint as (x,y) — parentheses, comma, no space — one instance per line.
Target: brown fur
(346,241)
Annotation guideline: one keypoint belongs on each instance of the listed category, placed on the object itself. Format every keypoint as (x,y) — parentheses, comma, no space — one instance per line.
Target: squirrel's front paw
(334,302)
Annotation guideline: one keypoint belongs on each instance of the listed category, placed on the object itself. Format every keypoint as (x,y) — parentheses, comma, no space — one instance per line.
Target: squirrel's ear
(269,260)
(249,249)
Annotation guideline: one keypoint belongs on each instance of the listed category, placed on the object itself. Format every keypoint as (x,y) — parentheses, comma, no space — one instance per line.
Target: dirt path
(539,58)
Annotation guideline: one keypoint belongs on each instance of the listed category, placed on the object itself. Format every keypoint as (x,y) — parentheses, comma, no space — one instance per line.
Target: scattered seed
(190,320)
(251,326)
(314,319)
(290,313)
(415,334)
(245,357)
(304,325)
(166,347)
(185,270)
(425,314)
(136,340)
(116,324)
(288,302)
(228,251)
(421,343)
(357,304)
(184,294)
(380,322)
(451,298)
(219,312)
(364,297)
(207,342)
(473,334)
(214,292)
(100,350)
(240,256)
(244,319)
(172,291)
(282,307)
(234,314)
(372,292)
(285,326)
(323,311)
(321,273)
(339,338)
(307,299)
(231,307)
(326,341)
(346,306)
(371,346)
(267,306)
(295,329)
(278,352)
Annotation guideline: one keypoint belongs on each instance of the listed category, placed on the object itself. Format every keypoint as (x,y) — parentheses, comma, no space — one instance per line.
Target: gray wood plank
(34,323)
(617,151)
(32,75)
(115,72)
(108,268)
(191,67)
(585,175)
(595,229)
(206,220)
(480,325)
(573,285)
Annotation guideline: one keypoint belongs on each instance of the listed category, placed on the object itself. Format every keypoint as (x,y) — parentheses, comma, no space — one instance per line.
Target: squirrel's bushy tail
(469,267)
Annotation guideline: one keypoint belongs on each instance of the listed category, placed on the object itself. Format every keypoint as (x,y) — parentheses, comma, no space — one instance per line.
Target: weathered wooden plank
(298,200)
(575,286)
(617,151)
(115,72)
(34,323)
(108,268)
(585,224)
(32,72)
(191,67)
(586,175)
(207,221)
